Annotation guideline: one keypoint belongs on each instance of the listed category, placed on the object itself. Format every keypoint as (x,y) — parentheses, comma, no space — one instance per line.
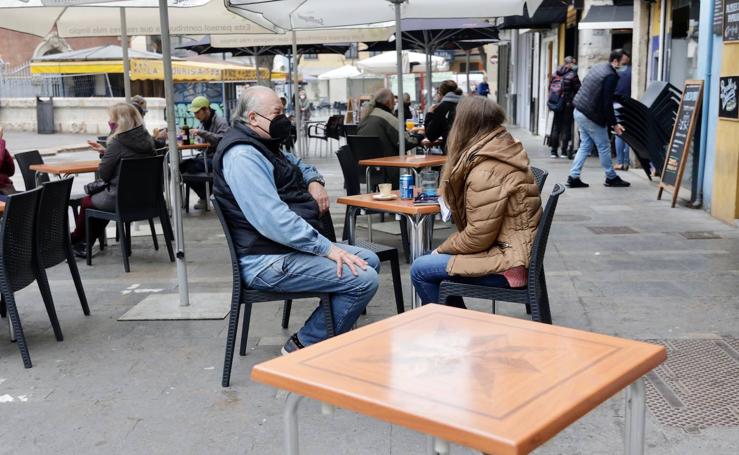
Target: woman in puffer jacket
(494,201)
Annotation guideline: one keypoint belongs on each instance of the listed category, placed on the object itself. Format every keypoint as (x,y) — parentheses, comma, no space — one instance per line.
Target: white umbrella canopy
(100,18)
(307,14)
(413,62)
(345,72)
(327,36)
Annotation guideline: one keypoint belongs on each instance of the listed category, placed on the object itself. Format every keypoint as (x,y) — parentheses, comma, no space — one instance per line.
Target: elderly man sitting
(272,203)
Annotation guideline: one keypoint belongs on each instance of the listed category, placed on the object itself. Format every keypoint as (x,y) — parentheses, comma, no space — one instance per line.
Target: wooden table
(417,215)
(495,384)
(65,168)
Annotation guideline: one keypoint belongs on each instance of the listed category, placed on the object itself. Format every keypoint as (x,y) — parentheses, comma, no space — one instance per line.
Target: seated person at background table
(407,111)
(129,139)
(272,203)
(494,201)
(213,128)
(377,120)
(440,117)
(7,169)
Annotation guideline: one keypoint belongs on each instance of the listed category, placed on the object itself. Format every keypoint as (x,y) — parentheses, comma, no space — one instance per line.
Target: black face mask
(279,126)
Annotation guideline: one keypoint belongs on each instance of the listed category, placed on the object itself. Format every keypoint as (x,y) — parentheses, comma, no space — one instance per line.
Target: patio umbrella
(79,18)
(315,14)
(412,62)
(430,35)
(345,72)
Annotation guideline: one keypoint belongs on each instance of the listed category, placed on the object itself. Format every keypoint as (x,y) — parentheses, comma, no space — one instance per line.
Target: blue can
(406,186)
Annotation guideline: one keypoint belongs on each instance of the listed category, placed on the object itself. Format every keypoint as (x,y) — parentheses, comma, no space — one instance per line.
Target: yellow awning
(182,70)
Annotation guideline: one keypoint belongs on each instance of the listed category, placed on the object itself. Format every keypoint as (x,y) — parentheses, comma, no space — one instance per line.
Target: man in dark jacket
(271,202)
(594,116)
(440,117)
(562,124)
(213,127)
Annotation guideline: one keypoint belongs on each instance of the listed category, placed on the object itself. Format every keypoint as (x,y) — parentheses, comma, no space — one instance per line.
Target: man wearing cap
(213,127)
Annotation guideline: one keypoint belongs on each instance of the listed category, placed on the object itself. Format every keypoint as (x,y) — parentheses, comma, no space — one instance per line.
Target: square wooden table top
(403,206)
(410,161)
(67,167)
(492,383)
(192,146)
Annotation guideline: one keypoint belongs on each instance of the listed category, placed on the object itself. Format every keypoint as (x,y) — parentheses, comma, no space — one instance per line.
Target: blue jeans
(427,273)
(303,272)
(622,152)
(592,134)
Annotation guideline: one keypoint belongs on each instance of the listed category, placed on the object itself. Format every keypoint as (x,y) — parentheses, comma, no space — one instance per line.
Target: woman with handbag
(129,139)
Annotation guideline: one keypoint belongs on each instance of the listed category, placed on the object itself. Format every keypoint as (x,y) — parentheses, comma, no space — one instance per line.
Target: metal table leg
(369,216)
(207,186)
(635,418)
(291,424)
(417,243)
(436,446)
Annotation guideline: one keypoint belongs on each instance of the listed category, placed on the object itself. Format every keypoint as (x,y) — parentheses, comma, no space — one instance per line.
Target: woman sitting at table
(129,139)
(7,169)
(493,199)
(439,119)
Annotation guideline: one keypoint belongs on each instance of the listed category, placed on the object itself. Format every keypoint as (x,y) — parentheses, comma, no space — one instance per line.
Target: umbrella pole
(399,56)
(468,71)
(429,83)
(174,155)
(256,66)
(296,107)
(126,63)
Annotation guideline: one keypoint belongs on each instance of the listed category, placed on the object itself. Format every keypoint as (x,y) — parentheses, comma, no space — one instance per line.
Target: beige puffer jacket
(495,204)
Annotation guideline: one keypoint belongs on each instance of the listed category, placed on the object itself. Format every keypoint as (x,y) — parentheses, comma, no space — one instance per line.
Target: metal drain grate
(700,235)
(611,230)
(698,386)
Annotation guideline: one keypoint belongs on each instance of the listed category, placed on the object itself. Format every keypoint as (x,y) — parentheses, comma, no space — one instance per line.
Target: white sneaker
(200,205)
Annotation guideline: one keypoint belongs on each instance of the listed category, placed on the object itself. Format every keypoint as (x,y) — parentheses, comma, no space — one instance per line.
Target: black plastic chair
(535,293)
(19,264)
(241,295)
(365,148)
(52,233)
(25,161)
(188,178)
(139,198)
(541,176)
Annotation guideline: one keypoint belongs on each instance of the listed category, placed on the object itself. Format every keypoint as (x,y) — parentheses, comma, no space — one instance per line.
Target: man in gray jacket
(212,131)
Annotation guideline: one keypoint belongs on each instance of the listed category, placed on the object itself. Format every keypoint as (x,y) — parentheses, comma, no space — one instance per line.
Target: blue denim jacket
(250,176)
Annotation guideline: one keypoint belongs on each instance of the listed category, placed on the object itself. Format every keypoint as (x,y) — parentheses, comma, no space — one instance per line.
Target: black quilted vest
(589,99)
(291,188)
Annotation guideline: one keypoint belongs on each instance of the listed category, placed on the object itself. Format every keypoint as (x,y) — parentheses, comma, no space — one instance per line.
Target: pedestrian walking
(562,90)
(623,90)
(594,116)
(483,88)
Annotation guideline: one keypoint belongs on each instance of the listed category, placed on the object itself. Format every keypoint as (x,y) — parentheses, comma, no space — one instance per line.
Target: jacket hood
(137,140)
(451,97)
(499,145)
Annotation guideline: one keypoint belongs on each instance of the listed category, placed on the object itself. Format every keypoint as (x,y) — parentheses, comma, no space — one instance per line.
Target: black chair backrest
(542,234)
(26,159)
(52,222)
(350,170)
(366,147)
(140,188)
(17,249)
(231,249)
(333,126)
(541,176)
(350,130)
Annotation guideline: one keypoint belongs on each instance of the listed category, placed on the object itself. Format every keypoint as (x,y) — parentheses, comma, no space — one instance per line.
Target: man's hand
(320,195)
(618,129)
(194,131)
(342,257)
(426,143)
(95,146)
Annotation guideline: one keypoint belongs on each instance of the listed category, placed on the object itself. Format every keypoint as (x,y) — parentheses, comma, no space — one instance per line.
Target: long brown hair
(475,118)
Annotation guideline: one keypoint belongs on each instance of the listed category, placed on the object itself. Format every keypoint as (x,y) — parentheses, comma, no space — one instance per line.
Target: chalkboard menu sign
(731,20)
(728,105)
(718,17)
(682,135)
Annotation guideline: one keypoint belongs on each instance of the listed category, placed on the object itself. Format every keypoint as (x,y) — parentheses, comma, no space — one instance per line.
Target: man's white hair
(252,99)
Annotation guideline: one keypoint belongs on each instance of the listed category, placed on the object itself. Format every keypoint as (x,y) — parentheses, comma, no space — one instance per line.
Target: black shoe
(570,154)
(554,154)
(617,182)
(80,249)
(575,182)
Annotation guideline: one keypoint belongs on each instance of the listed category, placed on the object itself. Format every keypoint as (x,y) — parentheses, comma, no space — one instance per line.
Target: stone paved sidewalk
(619,262)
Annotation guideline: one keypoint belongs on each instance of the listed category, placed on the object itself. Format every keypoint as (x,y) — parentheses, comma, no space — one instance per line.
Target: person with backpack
(562,90)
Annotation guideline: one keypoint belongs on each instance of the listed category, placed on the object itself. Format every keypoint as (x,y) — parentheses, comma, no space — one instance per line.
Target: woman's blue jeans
(427,273)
